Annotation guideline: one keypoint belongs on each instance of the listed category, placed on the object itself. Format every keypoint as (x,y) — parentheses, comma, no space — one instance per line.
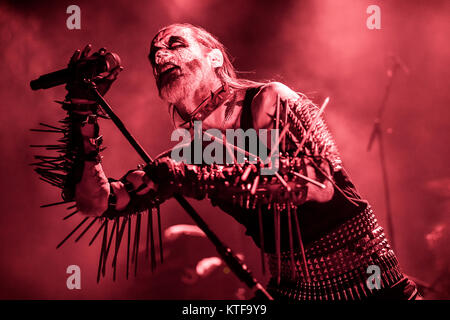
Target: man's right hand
(102,67)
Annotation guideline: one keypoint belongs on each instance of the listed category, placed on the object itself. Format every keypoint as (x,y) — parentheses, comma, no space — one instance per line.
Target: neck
(191,102)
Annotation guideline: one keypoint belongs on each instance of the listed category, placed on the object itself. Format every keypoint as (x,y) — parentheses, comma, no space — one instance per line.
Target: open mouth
(167,70)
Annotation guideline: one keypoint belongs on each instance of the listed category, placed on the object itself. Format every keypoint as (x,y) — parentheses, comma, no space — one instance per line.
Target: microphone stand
(233,262)
(377,133)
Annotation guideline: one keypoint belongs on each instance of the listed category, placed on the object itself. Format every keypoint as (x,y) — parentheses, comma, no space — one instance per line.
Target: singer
(317,234)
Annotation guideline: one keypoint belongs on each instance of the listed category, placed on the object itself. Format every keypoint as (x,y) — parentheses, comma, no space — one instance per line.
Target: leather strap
(204,110)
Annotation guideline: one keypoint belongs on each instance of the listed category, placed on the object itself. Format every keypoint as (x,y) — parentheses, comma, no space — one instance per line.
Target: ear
(215,58)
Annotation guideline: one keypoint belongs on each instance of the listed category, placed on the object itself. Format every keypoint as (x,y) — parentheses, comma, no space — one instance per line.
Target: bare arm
(92,193)
(264,110)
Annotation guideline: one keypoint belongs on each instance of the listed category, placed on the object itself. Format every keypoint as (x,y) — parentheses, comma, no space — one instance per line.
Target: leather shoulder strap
(246,116)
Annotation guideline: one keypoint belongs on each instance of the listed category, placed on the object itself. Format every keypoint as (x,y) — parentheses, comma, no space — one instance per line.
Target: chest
(234,114)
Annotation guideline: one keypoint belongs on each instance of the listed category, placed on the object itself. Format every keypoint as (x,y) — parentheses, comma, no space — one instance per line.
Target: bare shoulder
(272,89)
(264,103)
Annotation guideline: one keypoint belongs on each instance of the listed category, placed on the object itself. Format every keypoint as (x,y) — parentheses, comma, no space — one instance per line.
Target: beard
(175,90)
(183,82)
(179,86)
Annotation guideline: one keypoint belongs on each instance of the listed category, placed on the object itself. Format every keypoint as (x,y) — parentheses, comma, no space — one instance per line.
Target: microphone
(50,80)
(90,68)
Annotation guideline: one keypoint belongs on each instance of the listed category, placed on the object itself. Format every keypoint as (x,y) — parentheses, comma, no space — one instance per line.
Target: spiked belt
(337,264)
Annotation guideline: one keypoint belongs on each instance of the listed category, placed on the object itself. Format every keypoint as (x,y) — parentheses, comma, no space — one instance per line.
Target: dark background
(322,48)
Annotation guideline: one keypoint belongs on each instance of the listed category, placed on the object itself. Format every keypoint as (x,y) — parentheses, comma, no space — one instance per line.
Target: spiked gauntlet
(65,169)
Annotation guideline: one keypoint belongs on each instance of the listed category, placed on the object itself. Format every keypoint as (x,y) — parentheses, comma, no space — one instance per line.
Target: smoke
(321,48)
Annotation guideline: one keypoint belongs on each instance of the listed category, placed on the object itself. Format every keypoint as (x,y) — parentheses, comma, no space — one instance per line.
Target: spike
(147,242)
(229,150)
(291,241)
(283,182)
(300,242)
(47,146)
(247,171)
(97,233)
(120,236)
(311,127)
(48,175)
(330,287)
(138,234)
(102,250)
(45,130)
(276,215)
(276,144)
(158,214)
(116,248)
(334,184)
(254,185)
(73,231)
(49,157)
(44,160)
(261,238)
(54,204)
(285,122)
(225,142)
(52,178)
(87,228)
(150,236)
(342,287)
(320,185)
(70,215)
(52,127)
(46,166)
(133,252)
(108,247)
(55,184)
(277,112)
(128,245)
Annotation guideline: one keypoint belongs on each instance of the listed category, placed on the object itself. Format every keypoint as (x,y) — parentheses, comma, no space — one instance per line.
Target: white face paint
(180,65)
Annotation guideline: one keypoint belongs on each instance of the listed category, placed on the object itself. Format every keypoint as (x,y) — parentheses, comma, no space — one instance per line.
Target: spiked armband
(241,183)
(137,202)
(303,117)
(65,169)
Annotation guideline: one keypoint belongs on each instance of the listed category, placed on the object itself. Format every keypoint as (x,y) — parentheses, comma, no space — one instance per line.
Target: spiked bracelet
(137,202)
(237,183)
(112,198)
(65,168)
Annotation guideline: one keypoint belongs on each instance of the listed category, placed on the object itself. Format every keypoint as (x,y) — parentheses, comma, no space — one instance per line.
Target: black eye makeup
(175,42)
